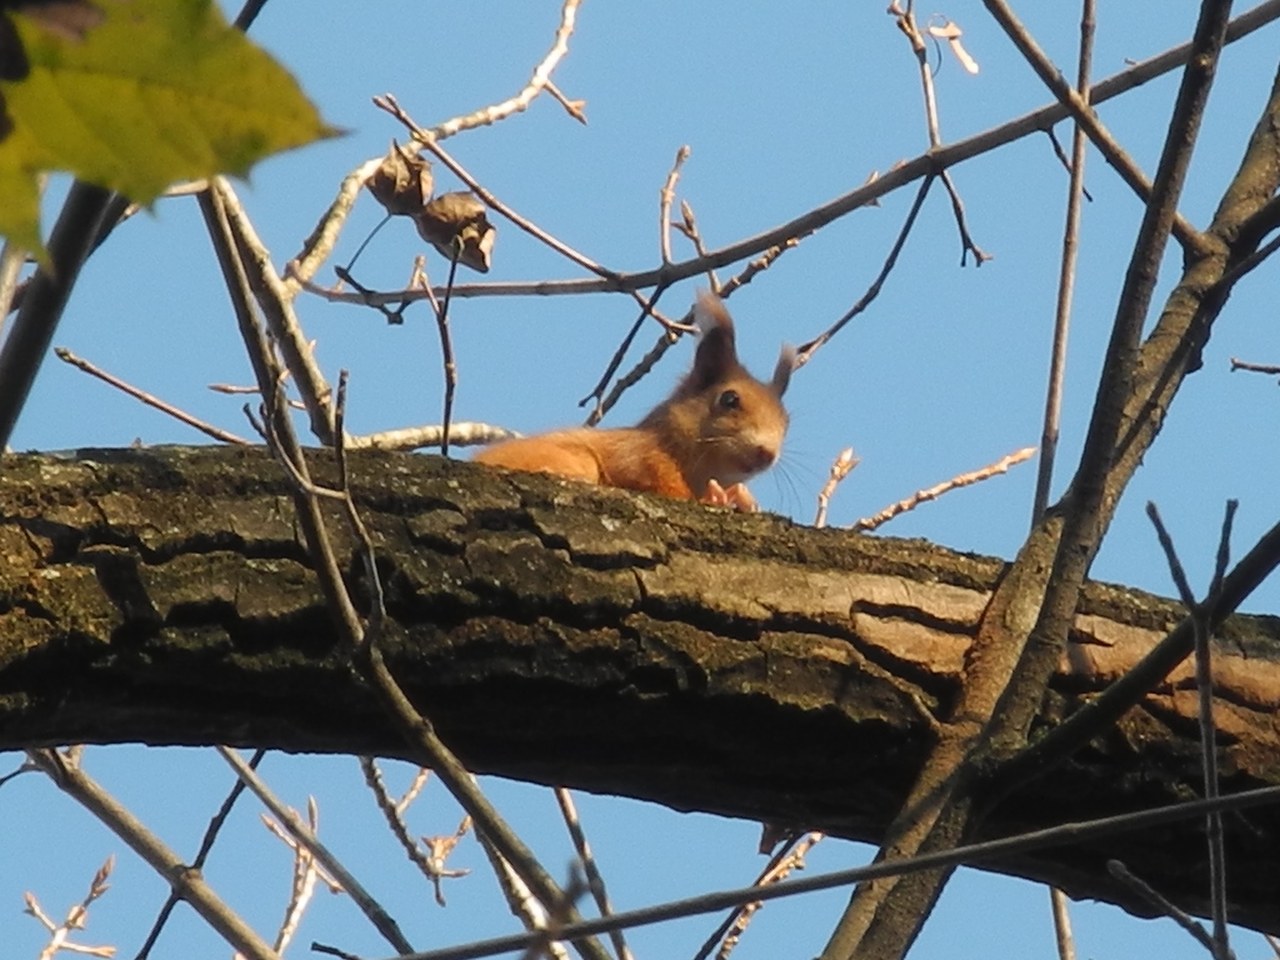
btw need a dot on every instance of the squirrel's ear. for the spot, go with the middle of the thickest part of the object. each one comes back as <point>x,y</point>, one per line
<point>782,372</point>
<point>717,357</point>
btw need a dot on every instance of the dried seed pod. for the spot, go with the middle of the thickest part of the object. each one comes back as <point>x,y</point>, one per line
<point>456,224</point>
<point>402,183</point>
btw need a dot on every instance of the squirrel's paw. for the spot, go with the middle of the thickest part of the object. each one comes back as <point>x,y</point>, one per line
<point>736,497</point>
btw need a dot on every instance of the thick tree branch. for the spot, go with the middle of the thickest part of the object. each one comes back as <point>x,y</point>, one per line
<point>570,635</point>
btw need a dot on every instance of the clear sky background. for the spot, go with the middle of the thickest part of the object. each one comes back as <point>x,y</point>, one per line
<point>784,107</point>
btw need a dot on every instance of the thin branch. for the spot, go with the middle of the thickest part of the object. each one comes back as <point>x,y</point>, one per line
<point>789,858</point>
<point>188,884</point>
<point>275,300</point>
<point>427,141</point>
<point>665,198</point>
<point>520,102</point>
<point>1063,834</point>
<point>206,847</point>
<point>432,867</point>
<point>1080,110</point>
<point>1202,633</point>
<point>1267,368</point>
<point>805,353</point>
<point>217,433</point>
<point>1152,896</point>
<point>370,907</point>
<point>933,493</point>
<point>76,919</point>
<point>841,467</point>
<point>1066,277</point>
<point>923,165</point>
<point>317,248</point>
<point>597,392</point>
<point>595,881</point>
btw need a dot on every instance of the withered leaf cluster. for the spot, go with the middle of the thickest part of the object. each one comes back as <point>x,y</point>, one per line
<point>456,224</point>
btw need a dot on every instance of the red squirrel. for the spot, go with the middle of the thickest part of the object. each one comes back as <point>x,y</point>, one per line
<point>720,426</point>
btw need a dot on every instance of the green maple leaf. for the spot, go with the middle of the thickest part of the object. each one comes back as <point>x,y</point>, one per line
<point>157,91</point>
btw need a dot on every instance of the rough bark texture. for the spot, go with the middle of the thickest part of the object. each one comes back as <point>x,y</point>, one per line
<point>741,665</point>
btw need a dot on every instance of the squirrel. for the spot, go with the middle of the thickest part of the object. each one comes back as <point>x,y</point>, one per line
<point>718,428</point>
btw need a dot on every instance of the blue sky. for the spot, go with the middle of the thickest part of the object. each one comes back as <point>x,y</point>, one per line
<point>783,108</point>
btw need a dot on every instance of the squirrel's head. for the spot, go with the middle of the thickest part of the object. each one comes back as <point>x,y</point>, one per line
<point>736,422</point>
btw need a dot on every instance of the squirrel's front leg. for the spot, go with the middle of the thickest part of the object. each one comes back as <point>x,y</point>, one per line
<point>736,497</point>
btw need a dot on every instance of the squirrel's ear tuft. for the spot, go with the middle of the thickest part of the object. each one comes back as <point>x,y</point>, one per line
<point>782,372</point>
<point>717,356</point>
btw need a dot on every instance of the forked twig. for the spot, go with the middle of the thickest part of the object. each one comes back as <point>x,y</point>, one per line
<point>77,916</point>
<point>1202,633</point>
<point>841,467</point>
<point>304,835</point>
<point>206,846</point>
<point>540,80</point>
<point>432,867</point>
<point>187,884</point>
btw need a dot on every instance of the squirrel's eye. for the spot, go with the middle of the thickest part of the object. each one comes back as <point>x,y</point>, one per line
<point>729,400</point>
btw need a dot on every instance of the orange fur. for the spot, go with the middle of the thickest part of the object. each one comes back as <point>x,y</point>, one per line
<point>719,426</point>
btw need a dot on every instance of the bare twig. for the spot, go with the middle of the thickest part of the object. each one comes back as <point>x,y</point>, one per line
<point>77,917</point>
<point>924,165</point>
<point>575,108</point>
<point>1066,278</point>
<point>595,882</point>
<point>1079,108</point>
<point>665,199</point>
<point>206,846</point>
<point>305,873</point>
<point>597,392</point>
<point>520,102</point>
<point>150,400</point>
<point>1062,834</point>
<point>432,866</point>
<point>427,141</point>
<point>188,884</point>
<point>525,907</point>
<point>1267,368</point>
<point>463,434</point>
<point>1153,897</point>
<point>379,917</point>
<point>1202,634</point>
<point>932,493</point>
<point>905,18</point>
<point>840,468</point>
<point>275,300</point>
<point>789,858</point>
<point>805,353</point>
<point>317,248</point>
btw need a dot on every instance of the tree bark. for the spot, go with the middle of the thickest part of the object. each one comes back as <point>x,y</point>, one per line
<point>559,633</point>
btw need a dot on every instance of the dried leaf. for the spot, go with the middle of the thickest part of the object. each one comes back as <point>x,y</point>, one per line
<point>402,183</point>
<point>456,224</point>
